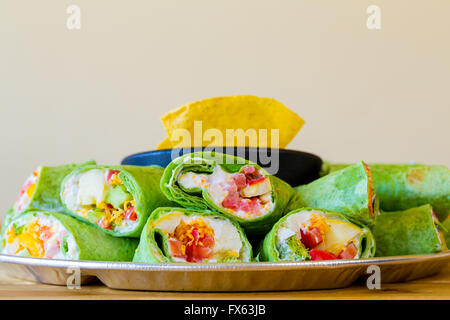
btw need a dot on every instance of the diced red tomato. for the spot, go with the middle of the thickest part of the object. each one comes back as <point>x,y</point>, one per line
<point>102,223</point>
<point>196,251</point>
<point>131,214</point>
<point>240,180</point>
<point>349,252</point>
<point>231,201</point>
<point>311,238</point>
<point>317,255</point>
<point>175,248</point>
<point>110,174</point>
<point>255,181</point>
<point>195,234</point>
<point>199,249</point>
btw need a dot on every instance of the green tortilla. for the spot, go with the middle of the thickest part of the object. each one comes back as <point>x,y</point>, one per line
<point>205,163</point>
<point>402,186</point>
<point>141,182</point>
<point>269,251</point>
<point>153,247</point>
<point>348,191</point>
<point>92,244</point>
<point>410,232</point>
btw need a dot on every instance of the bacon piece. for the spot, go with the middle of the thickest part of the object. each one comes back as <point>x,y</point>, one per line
<point>231,201</point>
<point>240,180</point>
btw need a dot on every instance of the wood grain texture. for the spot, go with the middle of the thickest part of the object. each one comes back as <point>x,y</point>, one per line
<point>435,287</point>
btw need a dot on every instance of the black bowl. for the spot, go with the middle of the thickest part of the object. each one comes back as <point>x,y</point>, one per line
<point>294,167</point>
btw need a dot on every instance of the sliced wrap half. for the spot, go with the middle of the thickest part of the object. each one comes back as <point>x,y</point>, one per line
<point>233,186</point>
<point>315,234</point>
<point>52,235</point>
<point>349,191</point>
<point>413,231</point>
<point>184,235</point>
<point>402,186</point>
<point>41,190</point>
<point>116,199</point>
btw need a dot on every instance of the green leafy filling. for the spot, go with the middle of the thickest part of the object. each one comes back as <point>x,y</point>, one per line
<point>65,245</point>
<point>292,249</point>
<point>18,229</point>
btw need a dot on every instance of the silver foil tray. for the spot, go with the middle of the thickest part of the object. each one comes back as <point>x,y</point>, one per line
<point>255,276</point>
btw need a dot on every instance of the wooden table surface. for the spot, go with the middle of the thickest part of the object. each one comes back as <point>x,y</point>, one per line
<point>435,287</point>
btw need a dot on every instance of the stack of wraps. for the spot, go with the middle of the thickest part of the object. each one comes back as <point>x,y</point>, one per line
<point>52,235</point>
<point>117,199</point>
<point>401,186</point>
<point>184,235</point>
<point>349,191</point>
<point>232,186</point>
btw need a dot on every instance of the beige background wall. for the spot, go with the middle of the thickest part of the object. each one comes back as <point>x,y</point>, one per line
<point>99,92</point>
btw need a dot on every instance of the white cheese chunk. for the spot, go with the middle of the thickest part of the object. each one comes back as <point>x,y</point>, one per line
<point>92,186</point>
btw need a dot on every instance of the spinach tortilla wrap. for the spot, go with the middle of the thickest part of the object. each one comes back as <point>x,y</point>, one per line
<point>41,190</point>
<point>402,186</point>
<point>52,235</point>
<point>117,199</point>
<point>413,231</point>
<point>233,186</point>
<point>314,234</point>
<point>349,191</point>
<point>185,235</point>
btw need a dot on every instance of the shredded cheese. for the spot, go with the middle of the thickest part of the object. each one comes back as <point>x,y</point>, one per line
<point>319,222</point>
<point>29,239</point>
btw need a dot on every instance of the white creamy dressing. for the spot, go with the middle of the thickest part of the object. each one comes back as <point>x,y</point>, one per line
<point>226,236</point>
<point>340,233</point>
<point>213,183</point>
<point>58,233</point>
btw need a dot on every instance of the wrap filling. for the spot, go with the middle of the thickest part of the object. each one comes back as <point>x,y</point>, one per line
<point>39,236</point>
<point>246,194</point>
<point>100,196</point>
<point>310,235</point>
<point>198,238</point>
<point>27,191</point>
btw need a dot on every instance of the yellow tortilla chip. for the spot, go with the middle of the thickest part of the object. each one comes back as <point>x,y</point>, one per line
<point>232,121</point>
<point>165,144</point>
